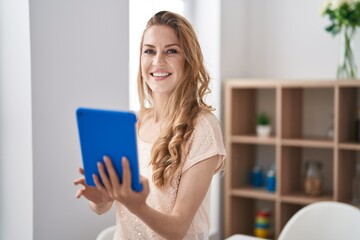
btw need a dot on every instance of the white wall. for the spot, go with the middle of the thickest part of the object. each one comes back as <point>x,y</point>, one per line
<point>79,58</point>
<point>276,39</point>
<point>16,189</point>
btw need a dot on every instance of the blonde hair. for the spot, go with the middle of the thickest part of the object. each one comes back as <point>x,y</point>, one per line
<point>184,105</point>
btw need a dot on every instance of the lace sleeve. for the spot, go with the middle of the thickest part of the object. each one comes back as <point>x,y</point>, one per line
<point>206,141</point>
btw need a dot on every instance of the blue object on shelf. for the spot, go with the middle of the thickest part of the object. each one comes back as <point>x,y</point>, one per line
<point>271,180</point>
<point>257,177</point>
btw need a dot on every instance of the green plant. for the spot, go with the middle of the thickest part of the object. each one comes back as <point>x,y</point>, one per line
<point>344,16</point>
<point>263,119</point>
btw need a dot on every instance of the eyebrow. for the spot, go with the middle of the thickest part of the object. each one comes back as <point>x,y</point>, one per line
<point>166,46</point>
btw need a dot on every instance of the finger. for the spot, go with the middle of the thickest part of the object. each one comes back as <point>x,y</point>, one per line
<point>126,173</point>
<point>80,180</point>
<point>79,193</point>
<point>112,173</point>
<point>81,171</point>
<point>104,178</point>
<point>98,184</point>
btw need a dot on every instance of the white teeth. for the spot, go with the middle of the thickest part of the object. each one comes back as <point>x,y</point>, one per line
<point>158,74</point>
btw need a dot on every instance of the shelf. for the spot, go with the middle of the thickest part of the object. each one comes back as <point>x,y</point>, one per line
<point>301,112</point>
<point>251,139</point>
<point>249,192</point>
<point>314,143</point>
<point>306,142</point>
<point>301,198</point>
<point>349,146</point>
<point>349,83</point>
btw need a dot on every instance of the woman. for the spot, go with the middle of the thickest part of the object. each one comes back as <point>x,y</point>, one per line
<point>180,144</point>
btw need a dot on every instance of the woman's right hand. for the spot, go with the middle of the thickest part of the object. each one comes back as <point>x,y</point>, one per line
<point>93,194</point>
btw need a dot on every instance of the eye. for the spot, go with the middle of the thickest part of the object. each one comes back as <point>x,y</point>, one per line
<point>172,51</point>
<point>149,51</point>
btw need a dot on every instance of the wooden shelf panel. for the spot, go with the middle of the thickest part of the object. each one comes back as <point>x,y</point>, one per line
<point>302,199</point>
<point>308,84</point>
<point>250,83</point>
<point>308,142</point>
<point>272,83</point>
<point>252,139</point>
<point>284,83</point>
<point>349,83</point>
<point>349,146</point>
<point>257,193</point>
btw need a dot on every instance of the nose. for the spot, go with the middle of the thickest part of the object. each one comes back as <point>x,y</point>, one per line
<point>158,59</point>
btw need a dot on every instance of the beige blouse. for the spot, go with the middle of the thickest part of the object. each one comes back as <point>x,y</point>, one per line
<point>206,141</point>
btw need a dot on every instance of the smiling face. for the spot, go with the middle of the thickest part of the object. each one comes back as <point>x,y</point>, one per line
<point>162,59</point>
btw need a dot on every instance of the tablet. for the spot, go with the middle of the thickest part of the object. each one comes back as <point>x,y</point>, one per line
<point>110,133</point>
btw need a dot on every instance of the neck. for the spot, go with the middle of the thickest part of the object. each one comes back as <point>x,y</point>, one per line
<point>160,102</point>
<point>158,114</point>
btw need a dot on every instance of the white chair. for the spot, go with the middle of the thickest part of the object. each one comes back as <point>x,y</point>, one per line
<point>106,234</point>
<point>243,237</point>
<point>323,221</point>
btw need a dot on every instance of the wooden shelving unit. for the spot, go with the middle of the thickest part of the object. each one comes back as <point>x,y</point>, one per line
<point>301,112</point>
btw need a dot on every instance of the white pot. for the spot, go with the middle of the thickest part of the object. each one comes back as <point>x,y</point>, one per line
<point>263,130</point>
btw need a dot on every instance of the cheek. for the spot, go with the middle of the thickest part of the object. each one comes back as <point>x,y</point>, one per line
<point>143,73</point>
<point>181,67</point>
<point>143,68</point>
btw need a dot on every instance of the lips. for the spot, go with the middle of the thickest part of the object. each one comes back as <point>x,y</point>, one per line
<point>160,74</point>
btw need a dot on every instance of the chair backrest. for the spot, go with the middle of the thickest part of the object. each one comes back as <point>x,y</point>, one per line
<point>323,221</point>
<point>106,234</point>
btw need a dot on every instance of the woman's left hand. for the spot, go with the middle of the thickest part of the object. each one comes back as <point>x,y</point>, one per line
<point>122,192</point>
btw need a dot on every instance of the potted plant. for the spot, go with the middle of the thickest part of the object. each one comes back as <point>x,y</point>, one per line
<point>344,16</point>
<point>263,127</point>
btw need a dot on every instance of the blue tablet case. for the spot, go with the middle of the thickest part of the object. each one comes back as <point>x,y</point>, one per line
<point>111,133</point>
